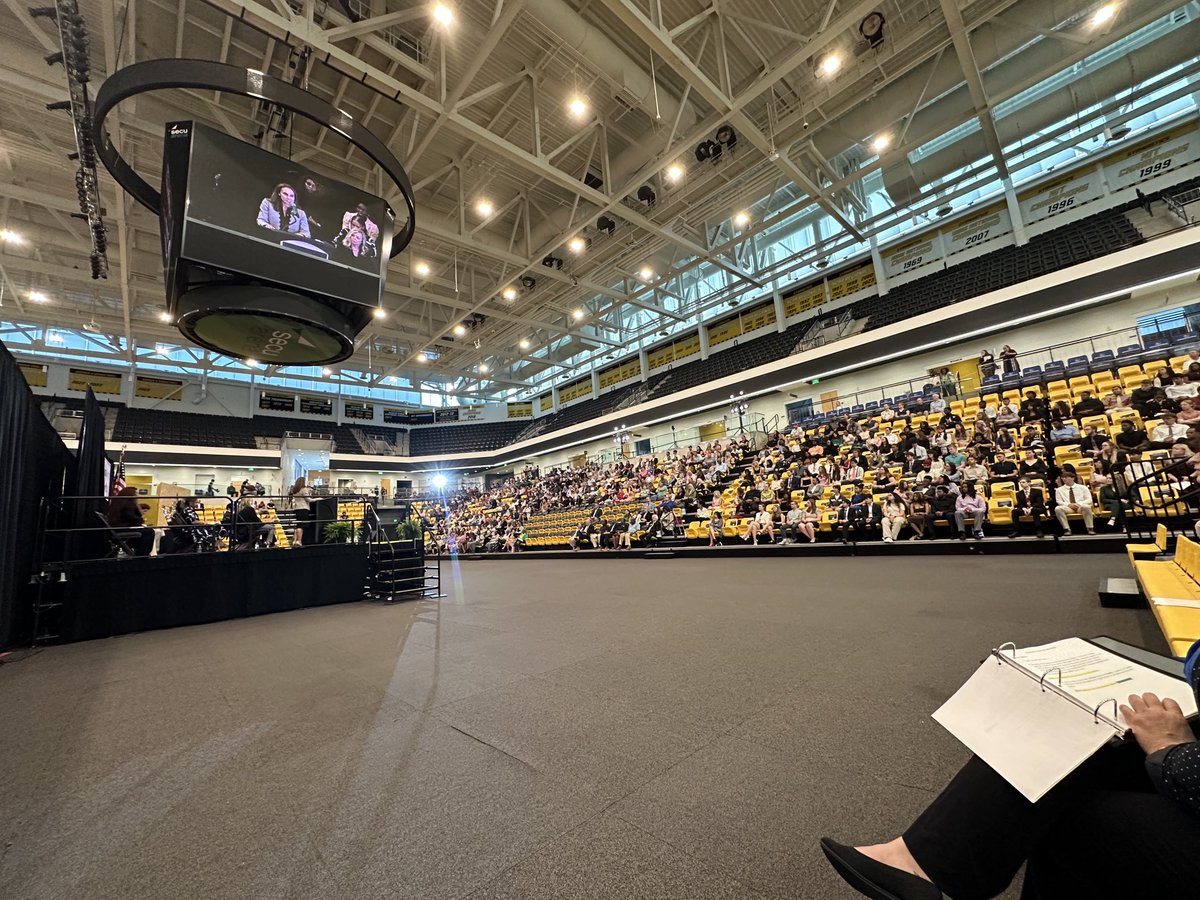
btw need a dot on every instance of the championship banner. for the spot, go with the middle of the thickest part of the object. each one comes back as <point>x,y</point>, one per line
<point>99,382</point>
<point>759,317</point>
<point>470,414</point>
<point>520,410</point>
<point>989,224</point>
<point>623,372</point>
<point>575,390</point>
<point>35,375</point>
<point>687,346</point>
<point>724,331</point>
<point>545,402</point>
<point>1059,195</point>
<point>158,388</point>
<point>803,300</point>
<point>1153,157</point>
<point>852,282</point>
<point>912,255</point>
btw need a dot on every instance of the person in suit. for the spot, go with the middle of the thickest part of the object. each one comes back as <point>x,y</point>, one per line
<point>1030,501</point>
<point>279,212</point>
<point>1125,823</point>
<point>854,514</point>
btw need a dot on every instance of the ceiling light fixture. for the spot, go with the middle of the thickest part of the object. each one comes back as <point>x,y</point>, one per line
<point>483,368</point>
<point>577,244</point>
<point>871,28</point>
<point>250,362</point>
<point>674,173</point>
<point>327,371</point>
<point>577,107</point>
<point>509,293</point>
<point>422,357</point>
<point>165,316</point>
<point>881,142</point>
<point>646,273</point>
<point>443,14</point>
<point>577,315</point>
<point>1103,15</point>
<point>10,237</point>
<point>460,329</point>
<point>484,207</point>
<point>742,219</point>
<point>524,343</point>
<point>38,297</point>
<point>829,64</point>
<point>380,312</point>
<point>422,269</point>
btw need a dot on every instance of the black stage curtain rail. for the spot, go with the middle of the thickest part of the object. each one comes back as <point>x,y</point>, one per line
<point>34,463</point>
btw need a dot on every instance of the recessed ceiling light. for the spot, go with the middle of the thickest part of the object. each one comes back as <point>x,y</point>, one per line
<point>509,293</point>
<point>460,329</point>
<point>380,312</point>
<point>443,14</point>
<point>10,237</point>
<point>830,63</point>
<point>422,357</point>
<point>881,142</point>
<point>422,268</point>
<point>484,207</point>
<point>38,297</point>
<point>646,273</point>
<point>165,316</point>
<point>576,245</point>
<point>577,314</point>
<point>1103,15</point>
<point>674,173</point>
<point>742,219</point>
<point>577,107</point>
<point>524,343</point>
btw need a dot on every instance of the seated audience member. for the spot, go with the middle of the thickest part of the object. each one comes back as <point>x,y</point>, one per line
<point>186,534</point>
<point>1070,498</point>
<point>1142,397</point>
<point>1003,468</point>
<point>583,534</point>
<point>1008,415</point>
<point>1031,438</point>
<point>941,508</point>
<point>974,471</point>
<point>1168,433</point>
<point>969,506</point>
<point>918,513</point>
<point>249,529</point>
<point>1180,388</point>
<point>1092,441</point>
<point>762,523</point>
<point>1032,466</point>
<point>1033,408</point>
<point>854,514</point>
<point>893,517</point>
<point>1030,501</point>
<point>1164,377</point>
<point>949,419</point>
<point>985,411</point>
<point>1063,432</point>
<point>1135,805</point>
<point>125,517</point>
<point>1087,405</point>
<point>887,413</point>
<point>953,456</point>
<point>1117,399</point>
<point>936,403</point>
<point>716,528</point>
<point>1193,370</point>
<point>1004,440</point>
<point>1188,413</point>
<point>1130,437</point>
<point>1110,498</point>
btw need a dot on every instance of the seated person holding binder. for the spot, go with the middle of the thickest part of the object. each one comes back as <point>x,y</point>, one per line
<point>1124,824</point>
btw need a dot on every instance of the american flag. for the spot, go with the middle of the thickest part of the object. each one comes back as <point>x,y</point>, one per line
<point>118,483</point>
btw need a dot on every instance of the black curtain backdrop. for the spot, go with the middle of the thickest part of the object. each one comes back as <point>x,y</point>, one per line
<point>90,469</point>
<point>34,463</point>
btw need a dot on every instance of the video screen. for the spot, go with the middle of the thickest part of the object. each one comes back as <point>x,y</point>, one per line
<point>256,213</point>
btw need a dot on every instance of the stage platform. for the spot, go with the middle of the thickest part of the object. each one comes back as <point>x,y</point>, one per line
<point>993,546</point>
<point>103,598</point>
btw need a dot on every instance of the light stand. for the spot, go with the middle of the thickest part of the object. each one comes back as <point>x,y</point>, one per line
<point>739,406</point>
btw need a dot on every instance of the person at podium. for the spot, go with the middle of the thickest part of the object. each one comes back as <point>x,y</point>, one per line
<point>279,212</point>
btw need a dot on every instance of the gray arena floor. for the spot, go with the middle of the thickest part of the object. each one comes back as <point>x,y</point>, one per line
<point>561,729</point>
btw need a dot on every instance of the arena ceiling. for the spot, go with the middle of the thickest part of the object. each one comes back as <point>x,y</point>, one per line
<point>516,102</point>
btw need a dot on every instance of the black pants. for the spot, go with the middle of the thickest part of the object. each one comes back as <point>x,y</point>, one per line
<point>1037,513</point>
<point>140,540</point>
<point>1103,832</point>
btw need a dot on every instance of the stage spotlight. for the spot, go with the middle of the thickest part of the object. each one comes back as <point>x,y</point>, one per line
<point>674,173</point>
<point>727,136</point>
<point>646,195</point>
<point>529,282</point>
<point>605,224</point>
<point>871,28</point>
<point>552,262</point>
<point>440,481</point>
<point>509,293</point>
<point>708,150</point>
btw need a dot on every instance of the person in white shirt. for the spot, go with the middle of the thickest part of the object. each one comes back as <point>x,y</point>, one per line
<point>1008,414</point>
<point>887,414</point>
<point>1073,498</point>
<point>1168,432</point>
<point>936,403</point>
<point>1180,388</point>
<point>761,523</point>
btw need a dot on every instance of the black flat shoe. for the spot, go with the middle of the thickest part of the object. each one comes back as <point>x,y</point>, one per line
<point>875,879</point>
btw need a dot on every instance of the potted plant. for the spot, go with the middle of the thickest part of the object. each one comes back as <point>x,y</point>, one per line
<point>339,532</point>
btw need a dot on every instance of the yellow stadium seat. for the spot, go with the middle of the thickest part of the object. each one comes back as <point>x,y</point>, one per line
<point>1151,550</point>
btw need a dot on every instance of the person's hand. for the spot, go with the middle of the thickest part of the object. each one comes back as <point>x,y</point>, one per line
<point>1156,723</point>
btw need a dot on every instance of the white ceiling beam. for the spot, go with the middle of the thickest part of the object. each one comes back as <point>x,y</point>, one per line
<point>375,23</point>
<point>970,69</point>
